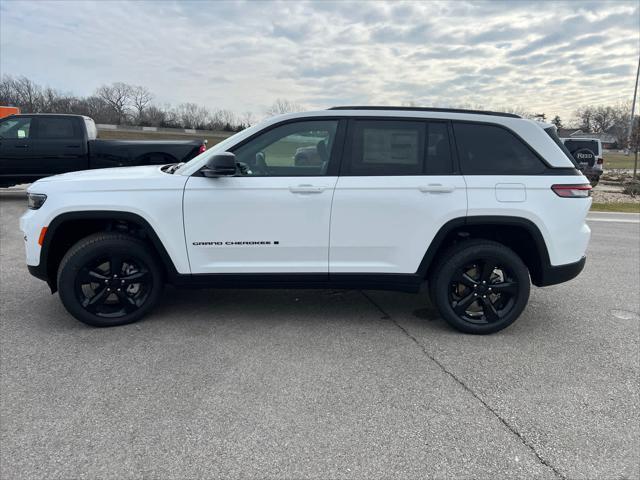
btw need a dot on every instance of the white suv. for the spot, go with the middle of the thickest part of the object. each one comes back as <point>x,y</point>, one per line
<point>475,204</point>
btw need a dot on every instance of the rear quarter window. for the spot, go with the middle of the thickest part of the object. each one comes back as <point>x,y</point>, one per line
<point>494,150</point>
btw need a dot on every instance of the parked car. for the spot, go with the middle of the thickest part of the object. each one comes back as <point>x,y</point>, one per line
<point>39,145</point>
<point>476,204</point>
<point>587,153</point>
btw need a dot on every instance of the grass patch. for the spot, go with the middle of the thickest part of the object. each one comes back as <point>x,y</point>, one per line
<point>618,160</point>
<point>616,207</point>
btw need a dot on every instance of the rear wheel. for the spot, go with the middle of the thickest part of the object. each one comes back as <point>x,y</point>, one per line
<point>480,286</point>
<point>109,279</point>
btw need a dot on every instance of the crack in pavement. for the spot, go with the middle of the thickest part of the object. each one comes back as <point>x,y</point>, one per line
<point>509,427</point>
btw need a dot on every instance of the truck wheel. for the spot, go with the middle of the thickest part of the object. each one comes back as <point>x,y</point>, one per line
<point>109,279</point>
<point>480,286</point>
<point>594,181</point>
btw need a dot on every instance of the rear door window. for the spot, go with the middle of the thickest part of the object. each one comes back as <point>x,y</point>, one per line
<point>56,128</point>
<point>398,147</point>
<point>384,147</point>
<point>494,150</point>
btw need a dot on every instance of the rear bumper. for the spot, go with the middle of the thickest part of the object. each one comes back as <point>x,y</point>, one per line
<point>554,274</point>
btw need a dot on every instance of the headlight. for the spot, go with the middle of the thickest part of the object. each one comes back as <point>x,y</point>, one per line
<point>35,200</point>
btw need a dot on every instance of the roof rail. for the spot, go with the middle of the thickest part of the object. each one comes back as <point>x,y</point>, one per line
<point>428,109</point>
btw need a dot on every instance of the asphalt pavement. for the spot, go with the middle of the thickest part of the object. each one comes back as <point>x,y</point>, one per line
<point>324,384</point>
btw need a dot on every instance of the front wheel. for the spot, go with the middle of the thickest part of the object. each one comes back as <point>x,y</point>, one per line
<point>480,286</point>
<point>109,279</point>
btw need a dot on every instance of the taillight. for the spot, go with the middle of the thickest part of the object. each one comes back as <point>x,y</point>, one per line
<point>600,161</point>
<point>203,147</point>
<point>572,191</point>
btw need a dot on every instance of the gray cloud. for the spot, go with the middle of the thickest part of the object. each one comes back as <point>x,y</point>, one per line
<point>241,56</point>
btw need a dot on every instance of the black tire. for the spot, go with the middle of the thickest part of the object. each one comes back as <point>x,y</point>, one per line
<point>594,181</point>
<point>468,304</point>
<point>109,279</point>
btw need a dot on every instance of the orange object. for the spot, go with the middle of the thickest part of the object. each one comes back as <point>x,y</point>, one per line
<point>6,111</point>
<point>43,232</point>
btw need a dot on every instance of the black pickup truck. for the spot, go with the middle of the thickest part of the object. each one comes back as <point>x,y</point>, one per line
<point>39,145</point>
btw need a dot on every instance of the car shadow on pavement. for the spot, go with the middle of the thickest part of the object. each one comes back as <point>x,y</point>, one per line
<point>210,306</point>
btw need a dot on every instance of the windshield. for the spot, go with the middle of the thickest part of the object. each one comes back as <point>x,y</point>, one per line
<point>220,147</point>
<point>553,133</point>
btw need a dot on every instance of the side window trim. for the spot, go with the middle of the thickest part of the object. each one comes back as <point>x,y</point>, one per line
<point>453,156</point>
<point>453,148</point>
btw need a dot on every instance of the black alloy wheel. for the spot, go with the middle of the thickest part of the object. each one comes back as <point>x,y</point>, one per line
<point>483,292</point>
<point>480,286</point>
<point>113,286</point>
<point>109,279</point>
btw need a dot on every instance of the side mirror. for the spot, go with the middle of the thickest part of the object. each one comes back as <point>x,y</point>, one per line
<point>220,165</point>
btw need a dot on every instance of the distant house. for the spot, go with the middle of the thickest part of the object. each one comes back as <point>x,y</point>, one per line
<point>609,141</point>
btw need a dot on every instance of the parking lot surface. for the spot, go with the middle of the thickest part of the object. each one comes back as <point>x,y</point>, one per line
<point>324,384</point>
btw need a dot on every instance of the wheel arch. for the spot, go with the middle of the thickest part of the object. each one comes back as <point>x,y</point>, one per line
<point>69,227</point>
<point>520,234</point>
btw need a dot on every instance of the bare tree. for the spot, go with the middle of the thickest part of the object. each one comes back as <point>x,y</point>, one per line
<point>611,119</point>
<point>603,119</point>
<point>21,92</point>
<point>155,116</point>
<point>282,105</point>
<point>118,96</point>
<point>222,119</point>
<point>519,110</point>
<point>248,119</point>
<point>8,94</point>
<point>193,116</point>
<point>585,117</point>
<point>141,98</point>
<point>557,122</point>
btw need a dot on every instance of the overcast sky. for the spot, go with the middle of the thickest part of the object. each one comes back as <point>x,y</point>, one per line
<point>543,56</point>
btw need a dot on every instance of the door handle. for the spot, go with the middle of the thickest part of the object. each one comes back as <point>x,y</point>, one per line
<point>436,188</point>
<point>22,146</point>
<point>72,146</point>
<point>306,189</point>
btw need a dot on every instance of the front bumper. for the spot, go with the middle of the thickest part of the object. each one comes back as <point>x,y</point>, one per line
<point>554,274</point>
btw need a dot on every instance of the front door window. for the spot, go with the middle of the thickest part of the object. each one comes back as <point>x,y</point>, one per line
<point>291,150</point>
